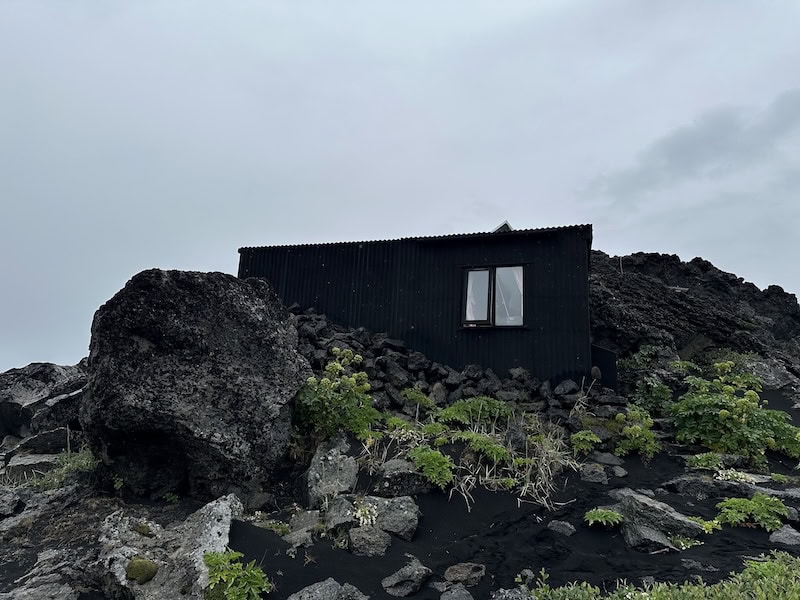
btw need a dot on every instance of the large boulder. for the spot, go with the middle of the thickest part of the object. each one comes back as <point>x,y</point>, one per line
<point>191,383</point>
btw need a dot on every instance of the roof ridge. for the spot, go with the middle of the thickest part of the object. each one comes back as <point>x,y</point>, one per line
<point>448,236</point>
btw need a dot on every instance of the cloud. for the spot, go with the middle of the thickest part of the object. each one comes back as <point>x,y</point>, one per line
<point>717,144</point>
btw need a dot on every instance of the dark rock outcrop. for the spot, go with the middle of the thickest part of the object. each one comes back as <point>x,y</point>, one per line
<point>34,391</point>
<point>659,300</point>
<point>191,382</point>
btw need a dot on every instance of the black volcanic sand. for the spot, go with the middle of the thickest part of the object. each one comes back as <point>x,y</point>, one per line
<point>508,537</point>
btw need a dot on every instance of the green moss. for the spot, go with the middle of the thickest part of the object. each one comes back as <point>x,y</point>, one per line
<point>141,569</point>
<point>143,528</point>
<point>278,527</point>
<point>68,465</point>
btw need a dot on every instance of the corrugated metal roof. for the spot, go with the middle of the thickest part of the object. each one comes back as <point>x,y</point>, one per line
<point>587,228</point>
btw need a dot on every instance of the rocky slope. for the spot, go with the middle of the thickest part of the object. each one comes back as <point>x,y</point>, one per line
<point>187,401</point>
<point>688,307</point>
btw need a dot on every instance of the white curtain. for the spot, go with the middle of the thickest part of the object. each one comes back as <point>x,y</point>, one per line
<point>518,280</point>
<point>508,296</point>
<point>477,296</point>
<point>471,304</point>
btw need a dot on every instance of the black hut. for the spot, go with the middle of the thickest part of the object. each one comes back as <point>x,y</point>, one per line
<point>510,298</point>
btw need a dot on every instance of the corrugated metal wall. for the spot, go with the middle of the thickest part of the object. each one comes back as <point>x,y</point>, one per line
<point>413,289</point>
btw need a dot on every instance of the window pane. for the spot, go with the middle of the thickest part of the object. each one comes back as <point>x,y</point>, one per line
<point>477,296</point>
<point>508,296</point>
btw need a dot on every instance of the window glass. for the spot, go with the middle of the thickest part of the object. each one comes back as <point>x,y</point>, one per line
<point>477,296</point>
<point>508,296</point>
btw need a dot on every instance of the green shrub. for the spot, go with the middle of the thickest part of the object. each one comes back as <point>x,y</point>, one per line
<point>229,579</point>
<point>435,466</point>
<point>434,429</point>
<point>780,478</point>
<point>711,461</point>
<point>651,394</point>
<point>475,411</point>
<point>278,527</point>
<point>681,542</point>
<point>603,516</point>
<point>685,367</point>
<point>708,526</point>
<point>762,510</point>
<point>643,358</point>
<point>416,397</point>
<point>394,423</point>
<point>171,498</point>
<point>637,433</point>
<point>68,464</point>
<point>529,467</point>
<point>714,356</point>
<point>485,444</point>
<point>776,577</point>
<point>339,400</point>
<point>583,442</point>
<point>726,415</point>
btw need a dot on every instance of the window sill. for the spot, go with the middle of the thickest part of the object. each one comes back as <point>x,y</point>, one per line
<point>488,326</point>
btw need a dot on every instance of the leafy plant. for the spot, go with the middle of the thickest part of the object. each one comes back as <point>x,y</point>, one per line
<point>278,527</point>
<point>726,415</point>
<point>637,433</point>
<point>435,466</point>
<point>713,356</point>
<point>603,516</point>
<point>475,411</point>
<point>583,442</point>
<point>711,461</point>
<point>776,577</point>
<point>526,463</point>
<point>489,446</point>
<point>708,526</point>
<point>762,510</point>
<point>68,464</point>
<point>780,478</point>
<point>229,579</point>
<point>339,400</point>
<point>643,358</point>
<point>681,542</point>
<point>652,394</point>
<point>434,429</point>
<point>685,367</point>
<point>416,397</point>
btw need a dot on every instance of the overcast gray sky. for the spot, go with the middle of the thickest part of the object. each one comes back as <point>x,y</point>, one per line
<point>168,134</point>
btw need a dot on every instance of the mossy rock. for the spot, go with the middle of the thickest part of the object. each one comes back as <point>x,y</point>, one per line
<point>143,528</point>
<point>141,569</point>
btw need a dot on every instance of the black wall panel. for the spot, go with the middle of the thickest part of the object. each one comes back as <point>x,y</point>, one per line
<point>413,289</point>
